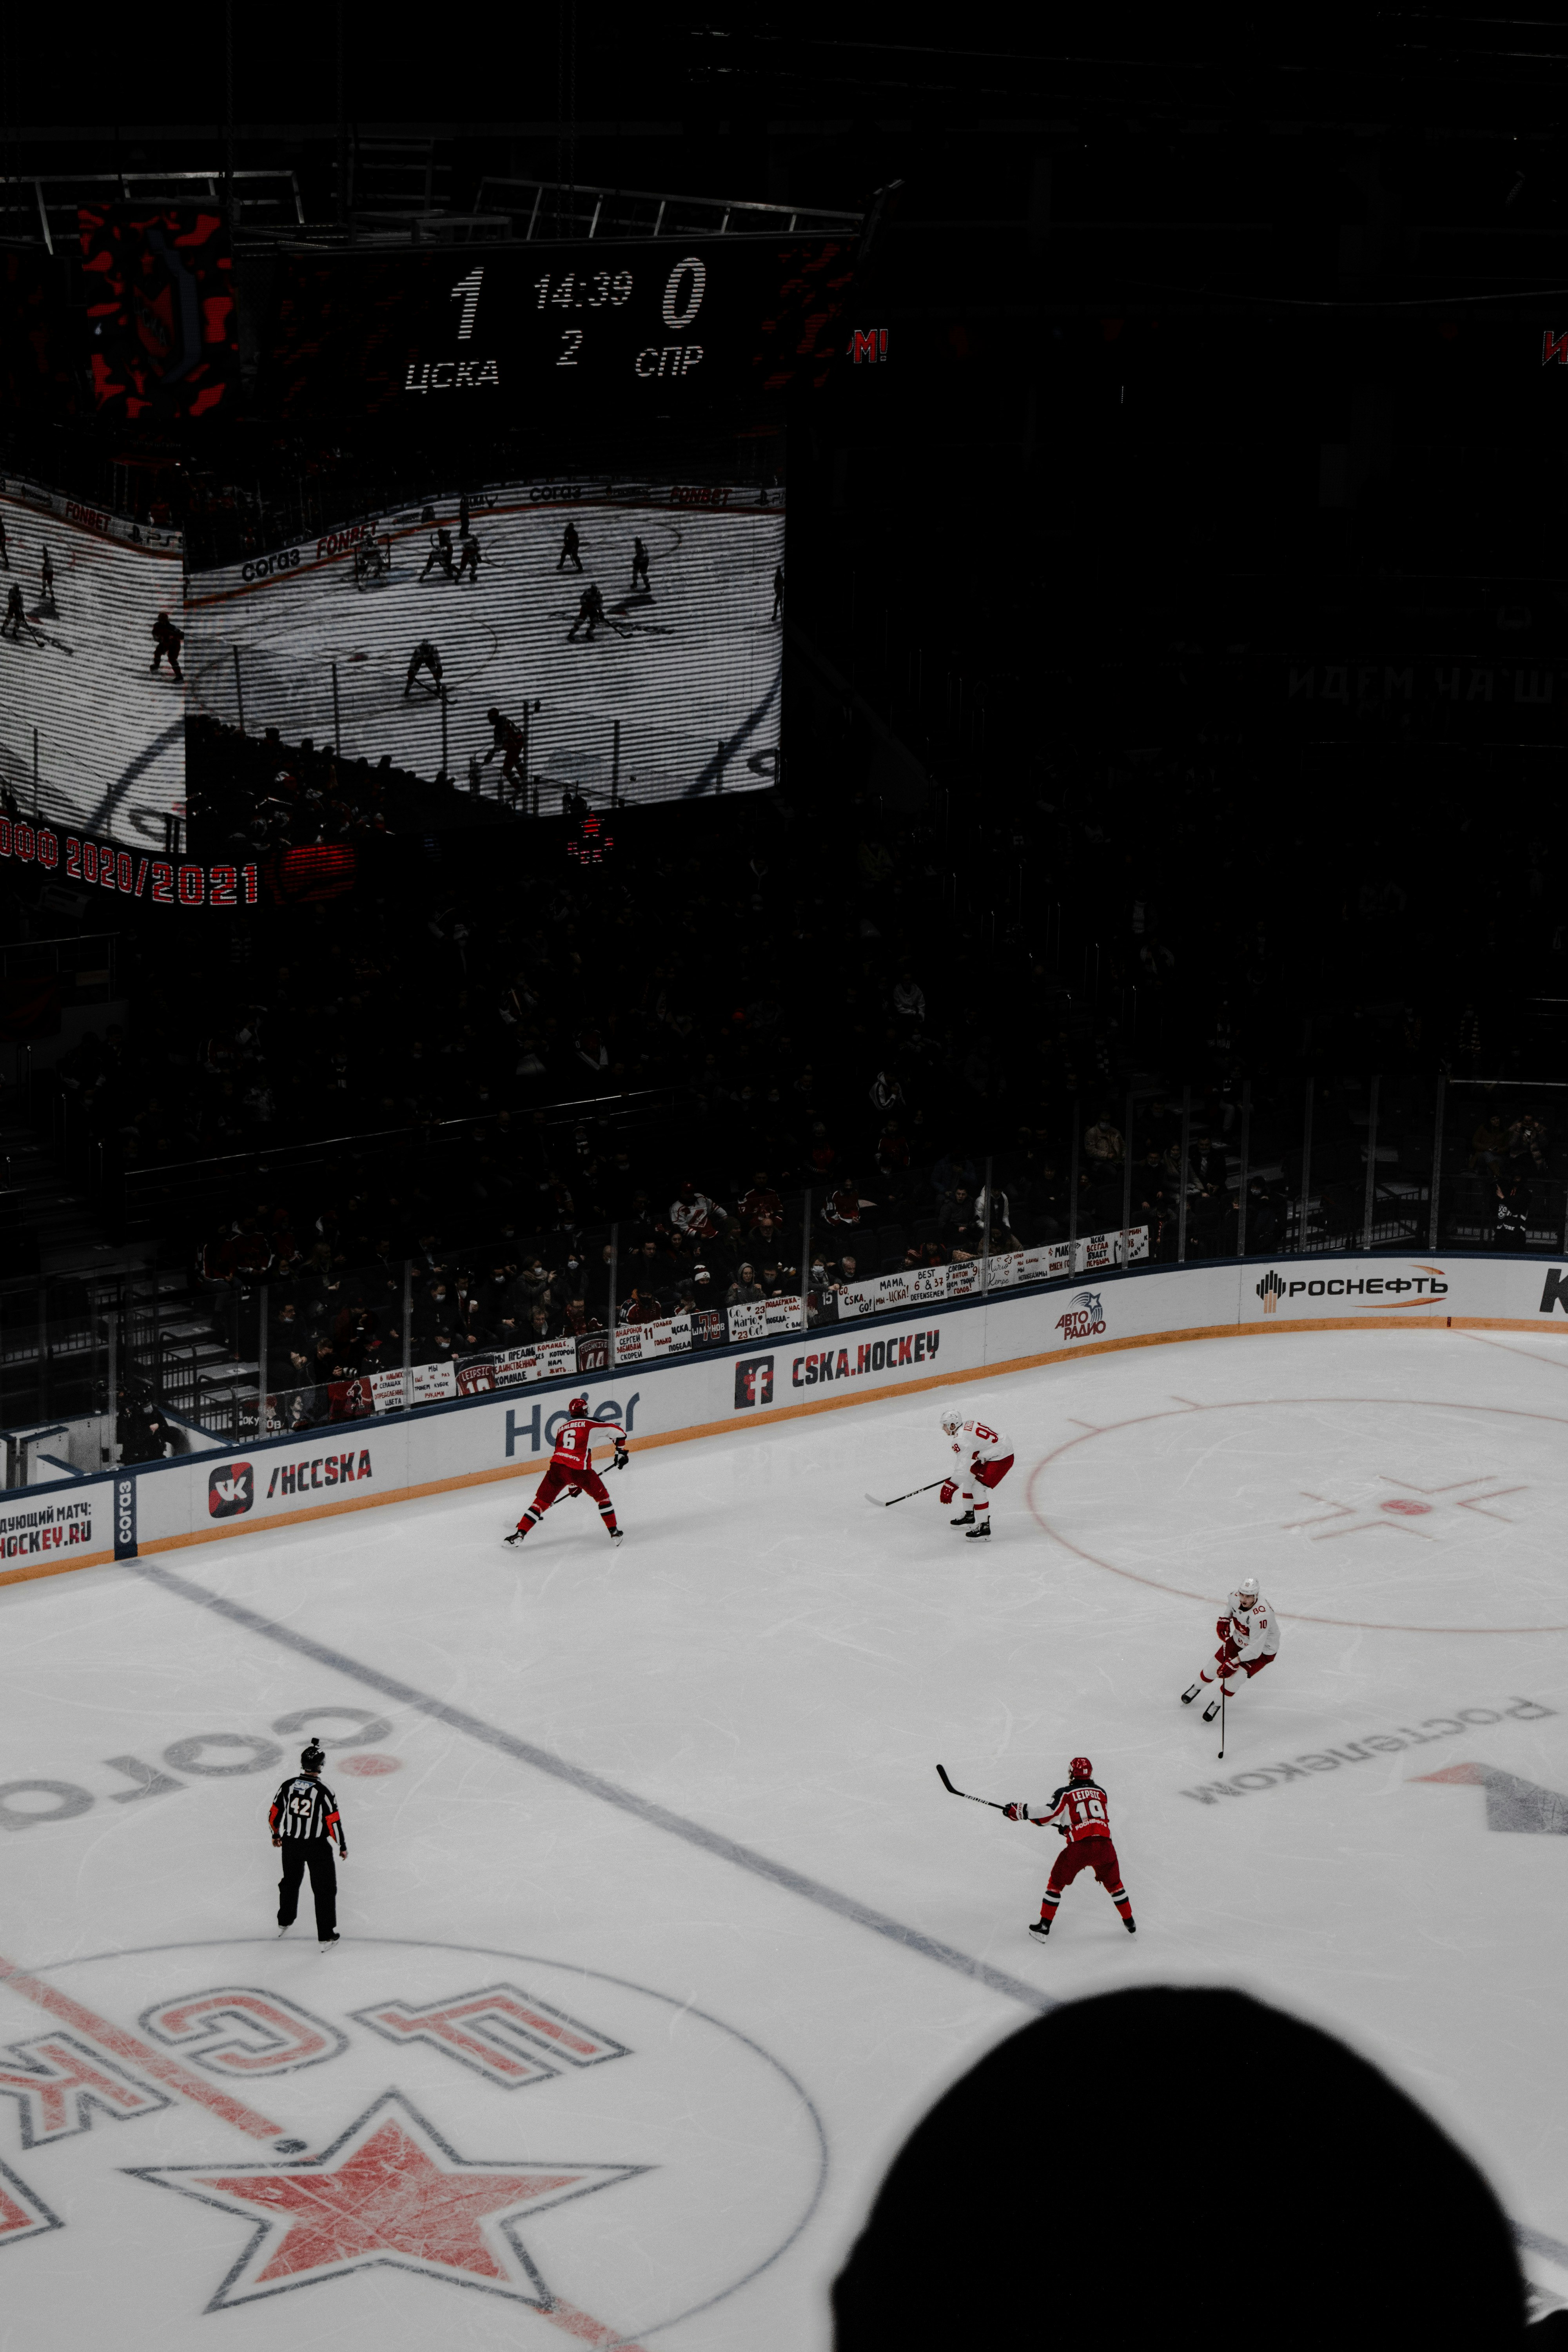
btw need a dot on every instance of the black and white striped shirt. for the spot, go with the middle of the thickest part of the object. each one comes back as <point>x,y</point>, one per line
<point>306,1807</point>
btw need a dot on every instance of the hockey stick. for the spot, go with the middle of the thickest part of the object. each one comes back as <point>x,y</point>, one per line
<point>952,1791</point>
<point>886,1505</point>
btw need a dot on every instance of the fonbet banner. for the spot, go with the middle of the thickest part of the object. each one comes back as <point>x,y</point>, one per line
<point>769,1373</point>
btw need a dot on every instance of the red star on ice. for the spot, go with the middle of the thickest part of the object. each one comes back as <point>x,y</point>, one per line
<point>390,2190</point>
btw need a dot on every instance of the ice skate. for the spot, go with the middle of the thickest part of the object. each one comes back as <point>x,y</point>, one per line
<point>964,1519</point>
<point>328,1941</point>
<point>1211,1710</point>
<point>1040,1927</point>
<point>1188,1695</point>
<point>979,1532</point>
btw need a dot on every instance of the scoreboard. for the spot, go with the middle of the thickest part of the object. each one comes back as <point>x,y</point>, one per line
<point>629,329</point>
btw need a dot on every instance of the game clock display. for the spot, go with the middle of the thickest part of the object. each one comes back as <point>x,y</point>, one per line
<point>629,327</point>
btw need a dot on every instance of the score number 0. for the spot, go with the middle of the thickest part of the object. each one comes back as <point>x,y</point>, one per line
<point>683,293</point>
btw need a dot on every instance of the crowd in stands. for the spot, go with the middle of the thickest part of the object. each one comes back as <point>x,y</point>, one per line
<point>747,999</point>
<point>251,797</point>
<point>339,1282</point>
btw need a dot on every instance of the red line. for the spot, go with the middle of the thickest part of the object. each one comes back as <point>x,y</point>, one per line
<point>167,2071</point>
<point>585,2330</point>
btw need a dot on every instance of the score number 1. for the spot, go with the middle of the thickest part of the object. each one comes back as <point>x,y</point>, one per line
<point>466,291</point>
<point>683,295</point>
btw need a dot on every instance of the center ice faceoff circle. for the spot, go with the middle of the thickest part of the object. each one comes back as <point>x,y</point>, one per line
<point>558,2137</point>
<point>1390,1513</point>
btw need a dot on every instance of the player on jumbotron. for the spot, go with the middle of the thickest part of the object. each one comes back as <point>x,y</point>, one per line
<point>1248,1640</point>
<point>572,1468</point>
<point>983,1459</point>
<point>1080,1814</point>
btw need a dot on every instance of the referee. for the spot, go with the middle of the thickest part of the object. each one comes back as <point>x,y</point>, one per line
<point>304,1820</point>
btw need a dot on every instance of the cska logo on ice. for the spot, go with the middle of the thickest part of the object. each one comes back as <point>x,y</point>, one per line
<point>1085,1317</point>
<point>268,2147</point>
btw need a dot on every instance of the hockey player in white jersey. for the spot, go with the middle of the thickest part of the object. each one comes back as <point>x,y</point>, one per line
<point>982,1459</point>
<point>1249,1633</point>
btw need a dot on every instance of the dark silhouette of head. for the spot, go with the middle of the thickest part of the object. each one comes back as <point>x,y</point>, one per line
<point>1131,2160</point>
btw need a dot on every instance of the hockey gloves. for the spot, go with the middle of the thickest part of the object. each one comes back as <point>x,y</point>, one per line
<point>621,1458</point>
<point>1017,1812</point>
<point>949,1489</point>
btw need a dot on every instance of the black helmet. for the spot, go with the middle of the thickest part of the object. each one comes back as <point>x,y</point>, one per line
<point>312,1757</point>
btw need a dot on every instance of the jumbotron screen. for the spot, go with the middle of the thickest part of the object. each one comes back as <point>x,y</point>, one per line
<point>628,636</point>
<point>81,705</point>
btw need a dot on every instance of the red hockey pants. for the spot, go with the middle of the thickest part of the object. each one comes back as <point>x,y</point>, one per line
<point>559,1475</point>
<point>1095,1853</point>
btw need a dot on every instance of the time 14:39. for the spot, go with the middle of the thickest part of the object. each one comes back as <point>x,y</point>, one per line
<point>602,290</point>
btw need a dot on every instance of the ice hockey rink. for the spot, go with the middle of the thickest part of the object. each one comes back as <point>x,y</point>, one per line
<point>110,735</point>
<point>659,1929</point>
<point>689,668</point>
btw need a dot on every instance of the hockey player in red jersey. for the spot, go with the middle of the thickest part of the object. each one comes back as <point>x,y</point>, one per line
<point>572,1468</point>
<point>1249,1633</point>
<point>982,1459</point>
<point>1080,1815</point>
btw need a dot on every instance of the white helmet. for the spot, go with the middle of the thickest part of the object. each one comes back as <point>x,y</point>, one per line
<point>1246,1591</point>
<point>951,1419</point>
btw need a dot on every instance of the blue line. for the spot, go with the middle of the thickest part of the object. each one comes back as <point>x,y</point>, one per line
<point>608,1792</point>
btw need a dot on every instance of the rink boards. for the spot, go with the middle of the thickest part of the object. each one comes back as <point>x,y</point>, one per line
<point>353,1466</point>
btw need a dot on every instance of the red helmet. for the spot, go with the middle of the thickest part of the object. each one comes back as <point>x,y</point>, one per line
<point>577,1404</point>
<point>1081,1769</point>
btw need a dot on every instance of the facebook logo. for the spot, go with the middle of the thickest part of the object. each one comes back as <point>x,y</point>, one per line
<point>754,1382</point>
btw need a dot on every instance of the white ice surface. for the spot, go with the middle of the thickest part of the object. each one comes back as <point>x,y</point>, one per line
<point>695,660</point>
<point>112,746</point>
<point>774,1661</point>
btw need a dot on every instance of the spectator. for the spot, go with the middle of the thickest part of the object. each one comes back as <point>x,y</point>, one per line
<point>142,1430</point>
<point>1117,2063</point>
<point>1488,1145</point>
<point>887,1093</point>
<point>1512,1215</point>
<point>746,1290</point>
<point>956,1211</point>
<point>1527,1140</point>
<point>1102,1143</point>
<point>768,1235</point>
<point>654,1270</point>
<point>435,1312</point>
<point>892,1159</point>
<point>1208,1163</point>
<point>704,1293</point>
<point>692,1213</point>
<point>762,1201</point>
<point>908,997</point>
<point>953,1169</point>
<point>990,1200</point>
<point>1265,1223</point>
<point>845,1202</point>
